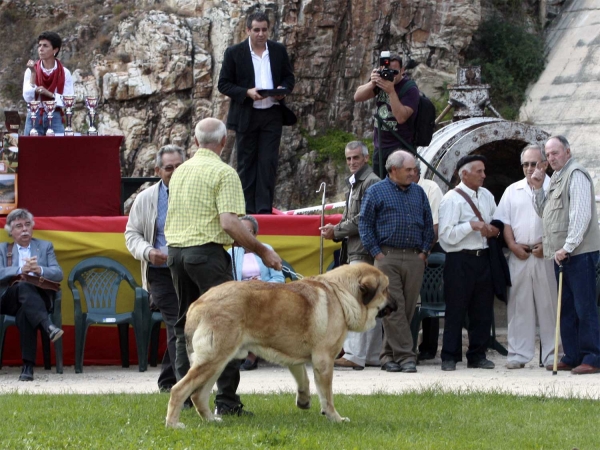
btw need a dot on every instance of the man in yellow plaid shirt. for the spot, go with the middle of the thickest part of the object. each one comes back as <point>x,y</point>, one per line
<point>205,200</point>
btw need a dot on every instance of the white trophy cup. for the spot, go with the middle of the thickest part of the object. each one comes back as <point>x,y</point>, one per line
<point>92,103</point>
<point>49,107</point>
<point>34,107</point>
<point>69,101</point>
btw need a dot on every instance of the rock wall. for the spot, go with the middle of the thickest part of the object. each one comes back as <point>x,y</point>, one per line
<point>156,76</point>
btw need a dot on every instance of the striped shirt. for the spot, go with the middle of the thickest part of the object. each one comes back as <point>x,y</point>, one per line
<point>395,217</point>
<point>200,190</point>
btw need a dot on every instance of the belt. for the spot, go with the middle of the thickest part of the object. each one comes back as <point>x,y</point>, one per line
<point>387,249</point>
<point>480,252</point>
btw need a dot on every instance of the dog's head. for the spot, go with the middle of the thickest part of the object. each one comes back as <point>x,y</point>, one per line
<point>373,286</point>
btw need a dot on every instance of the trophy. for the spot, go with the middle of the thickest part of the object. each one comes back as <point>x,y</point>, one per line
<point>69,101</point>
<point>49,107</point>
<point>34,106</point>
<point>92,103</point>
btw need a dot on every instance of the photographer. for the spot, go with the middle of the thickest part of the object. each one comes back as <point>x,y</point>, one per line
<point>396,109</point>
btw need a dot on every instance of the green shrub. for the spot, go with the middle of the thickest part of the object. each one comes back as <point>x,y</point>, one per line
<point>510,59</point>
<point>331,145</point>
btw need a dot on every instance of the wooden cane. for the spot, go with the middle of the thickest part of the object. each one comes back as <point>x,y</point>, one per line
<point>557,333</point>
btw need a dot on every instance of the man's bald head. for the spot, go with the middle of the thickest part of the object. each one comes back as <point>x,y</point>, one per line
<point>210,132</point>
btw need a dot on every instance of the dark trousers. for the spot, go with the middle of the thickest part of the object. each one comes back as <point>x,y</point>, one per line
<point>468,291</point>
<point>431,333</point>
<point>258,157</point>
<point>579,328</point>
<point>194,271</point>
<point>165,298</point>
<point>29,304</point>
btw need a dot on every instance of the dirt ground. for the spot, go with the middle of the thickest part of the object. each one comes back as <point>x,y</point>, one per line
<point>531,380</point>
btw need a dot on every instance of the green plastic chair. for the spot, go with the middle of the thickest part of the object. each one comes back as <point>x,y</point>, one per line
<point>56,318</point>
<point>432,294</point>
<point>99,279</point>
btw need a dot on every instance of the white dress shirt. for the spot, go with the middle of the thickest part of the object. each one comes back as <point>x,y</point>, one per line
<point>434,195</point>
<point>516,208</point>
<point>455,232</point>
<point>25,253</point>
<point>263,78</point>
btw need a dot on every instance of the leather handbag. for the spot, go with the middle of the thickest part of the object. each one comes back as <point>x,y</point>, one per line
<point>40,282</point>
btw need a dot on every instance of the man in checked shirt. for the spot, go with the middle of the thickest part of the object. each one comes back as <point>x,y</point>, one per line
<point>396,228</point>
<point>572,239</point>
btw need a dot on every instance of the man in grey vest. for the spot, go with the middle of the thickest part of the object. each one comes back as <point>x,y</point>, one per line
<point>572,238</point>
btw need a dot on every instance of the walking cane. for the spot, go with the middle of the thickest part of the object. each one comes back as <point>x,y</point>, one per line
<point>557,333</point>
<point>324,186</point>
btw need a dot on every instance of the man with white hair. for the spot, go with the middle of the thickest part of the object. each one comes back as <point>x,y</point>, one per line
<point>468,285</point>
<point>396,228</point>
<point>360,349</point>
<point>29,303</point>
<point>205,200</point>
<point>533,291</point>
<point>145,240</point>
<point>572,239</point>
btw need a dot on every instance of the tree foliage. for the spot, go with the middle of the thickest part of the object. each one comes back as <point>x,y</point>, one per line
<point>510,58</point>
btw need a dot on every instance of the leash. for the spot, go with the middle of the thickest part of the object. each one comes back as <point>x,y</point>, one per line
<point>291,272</point>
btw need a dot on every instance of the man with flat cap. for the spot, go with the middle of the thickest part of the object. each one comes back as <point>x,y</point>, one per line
<point>468,285</point>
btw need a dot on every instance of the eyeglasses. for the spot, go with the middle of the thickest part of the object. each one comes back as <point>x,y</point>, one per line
<point>169,168</point>
<point>20,226</point>
<point>528,164</point>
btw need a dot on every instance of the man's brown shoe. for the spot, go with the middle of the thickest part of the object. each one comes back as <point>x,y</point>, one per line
<point>585,369</point>
<point>561,366</point>
<point>343,362</point>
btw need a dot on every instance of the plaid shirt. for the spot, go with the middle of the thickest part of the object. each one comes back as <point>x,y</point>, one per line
<point>200,190</point>
<point>395,217</point>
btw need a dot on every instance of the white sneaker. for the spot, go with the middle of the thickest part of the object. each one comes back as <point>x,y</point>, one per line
<point>514,365</point>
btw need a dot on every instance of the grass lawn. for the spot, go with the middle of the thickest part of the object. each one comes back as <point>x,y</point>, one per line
<point>425,420</point>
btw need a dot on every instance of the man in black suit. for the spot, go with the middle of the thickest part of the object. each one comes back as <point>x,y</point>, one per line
<point>248,67</point>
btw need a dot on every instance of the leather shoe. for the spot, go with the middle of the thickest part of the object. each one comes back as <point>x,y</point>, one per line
<point>448,366</point>
<point>481,364</point>
<point>560,366</point>
<point>26,373</point>
<point>391,366</point>
<point>409,367</point>
<point>224,410</point>
<point>54,333</point>
<point>343,362</point>
<point>585,369</point>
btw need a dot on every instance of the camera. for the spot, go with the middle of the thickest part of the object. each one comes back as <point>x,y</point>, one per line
<point>384,62</point>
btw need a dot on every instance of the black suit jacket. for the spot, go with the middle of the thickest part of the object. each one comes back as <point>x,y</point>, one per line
<point>237,76</point>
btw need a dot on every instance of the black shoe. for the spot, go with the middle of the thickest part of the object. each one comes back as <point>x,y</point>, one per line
<point>423,356</point>
<point>409,367</point>
<point>481,364</point>
<point>54,333</point>
<point>26,373</point>
<point>249,365</point>
<point>391,366</point>
<point>448,365</point>
<point>224,410</point>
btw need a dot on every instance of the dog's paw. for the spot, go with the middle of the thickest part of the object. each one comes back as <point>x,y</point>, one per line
<point>345,419</point>
<point>215,419</point>
<point>176,425</point>
<point>305,405</point>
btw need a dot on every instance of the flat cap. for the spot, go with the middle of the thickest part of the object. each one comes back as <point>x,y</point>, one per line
<point>470,158</point>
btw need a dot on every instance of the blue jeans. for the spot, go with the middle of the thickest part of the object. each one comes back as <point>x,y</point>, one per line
<point>57,124</point>
<point>579,329</point>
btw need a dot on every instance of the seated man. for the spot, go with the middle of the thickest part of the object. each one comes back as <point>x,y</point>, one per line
<point>28,303</point>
